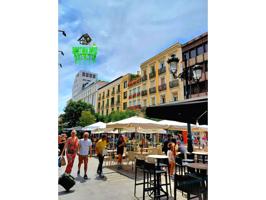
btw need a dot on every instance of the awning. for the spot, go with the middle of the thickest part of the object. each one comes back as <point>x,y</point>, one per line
<point>188,111</point>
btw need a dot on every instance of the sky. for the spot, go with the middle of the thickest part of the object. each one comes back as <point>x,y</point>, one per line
<point>126,32</point>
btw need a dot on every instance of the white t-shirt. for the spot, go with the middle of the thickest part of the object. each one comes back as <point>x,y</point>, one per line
<point>84,146</point>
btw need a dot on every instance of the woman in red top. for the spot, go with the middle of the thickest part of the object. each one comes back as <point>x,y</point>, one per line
<point>71,147</point>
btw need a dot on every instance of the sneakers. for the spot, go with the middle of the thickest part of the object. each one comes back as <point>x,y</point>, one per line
<point>85,177</point>
<point>78,172</point>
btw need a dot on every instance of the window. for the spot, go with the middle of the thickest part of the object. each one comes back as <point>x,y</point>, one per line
<point>152,69</point>
<point>138,90</point>
<point>186,55</point>
<point>130,103</point>
<point>125,95</point>
<point>161,64</point>
<point>125,106</point>
<point>138,103</point>
<point>162,100</point>
<point>206,47</point>
<point>107,112</point>
<point>130,92</point>
<point>206,66</point>
<point>83,73</point>
<point>134,91</point>
<point>200,50</point>
<point>118,88</point>
<point>125,84</point>
<point>174,97</point>
<point>193,53</point>
<point>117,108</point>
<point>144,72</point>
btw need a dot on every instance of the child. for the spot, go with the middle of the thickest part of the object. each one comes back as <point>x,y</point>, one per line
<point>171,158</point>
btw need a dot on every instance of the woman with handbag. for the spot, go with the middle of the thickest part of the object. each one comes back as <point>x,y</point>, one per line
<point>71,148</point>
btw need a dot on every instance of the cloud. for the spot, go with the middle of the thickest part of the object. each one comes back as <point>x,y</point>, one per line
<point>126,32</point>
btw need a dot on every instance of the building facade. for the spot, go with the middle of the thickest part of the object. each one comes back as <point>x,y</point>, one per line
<point>109,97</point>
<point>195,52</point>
<point>89,92</point>
<point>114,96</point>
<point>82,79</point>
<point>157,83</point>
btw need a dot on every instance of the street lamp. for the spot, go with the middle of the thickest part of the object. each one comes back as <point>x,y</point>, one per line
<point>173,61</point>
<point>187,75</point>
<point>197,72</point>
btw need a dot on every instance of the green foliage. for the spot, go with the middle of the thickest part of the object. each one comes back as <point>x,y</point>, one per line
<point>117,115</point>
<point>72,112</point>
<point>100,118</point>
<point>86,118</point>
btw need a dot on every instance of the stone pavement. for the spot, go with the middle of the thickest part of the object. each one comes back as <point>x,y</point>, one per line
<point>115,186</point>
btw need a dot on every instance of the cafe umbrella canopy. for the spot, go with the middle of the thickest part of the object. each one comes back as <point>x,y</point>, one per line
<point>136,122</point>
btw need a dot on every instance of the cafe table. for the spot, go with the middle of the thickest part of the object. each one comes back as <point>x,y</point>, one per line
<point>204,155</point>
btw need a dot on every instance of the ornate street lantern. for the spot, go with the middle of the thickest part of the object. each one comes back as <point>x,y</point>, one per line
<point>173,61</point>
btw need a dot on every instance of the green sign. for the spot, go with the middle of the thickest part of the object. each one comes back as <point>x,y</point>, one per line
<point>85,54</point>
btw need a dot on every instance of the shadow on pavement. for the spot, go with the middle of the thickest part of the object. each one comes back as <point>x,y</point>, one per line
<point>81,179</point>
<point>101,179</point>
<point>65,192</point>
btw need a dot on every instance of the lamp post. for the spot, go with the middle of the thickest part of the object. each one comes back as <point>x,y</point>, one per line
<point>187,75</point>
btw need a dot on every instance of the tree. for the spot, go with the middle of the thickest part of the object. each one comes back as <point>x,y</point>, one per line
<point>72,112</point>
<point>86,118</point>
<point>117,115</point>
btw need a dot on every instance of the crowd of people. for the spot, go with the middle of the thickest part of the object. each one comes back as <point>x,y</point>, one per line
<point>83,148</point>
<point>72,147</point>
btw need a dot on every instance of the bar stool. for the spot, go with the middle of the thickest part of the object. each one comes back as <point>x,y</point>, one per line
<point>139,165</point>
<point>164,163</point>
<point>152,181</point>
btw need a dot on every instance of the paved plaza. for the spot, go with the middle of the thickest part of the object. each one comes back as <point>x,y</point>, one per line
<point>117,186</point>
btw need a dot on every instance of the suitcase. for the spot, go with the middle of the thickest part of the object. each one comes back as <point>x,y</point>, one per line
<point>66,181</point>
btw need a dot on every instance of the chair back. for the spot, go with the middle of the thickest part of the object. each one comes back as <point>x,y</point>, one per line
<point>131,155</point>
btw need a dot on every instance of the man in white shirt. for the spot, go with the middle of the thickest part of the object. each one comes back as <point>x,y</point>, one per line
<point>83,153</point>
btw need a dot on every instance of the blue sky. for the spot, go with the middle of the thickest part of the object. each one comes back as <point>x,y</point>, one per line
<point>127,32</point>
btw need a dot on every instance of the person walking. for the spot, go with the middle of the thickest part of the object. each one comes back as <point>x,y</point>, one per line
<point>120,150</point>
<point>100,151</point>
<point>85,145</point>
<point>71,148</point>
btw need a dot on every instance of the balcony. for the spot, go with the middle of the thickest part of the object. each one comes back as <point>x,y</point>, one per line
<point>102,107</point>
<point>173,83</point>
<point>162,70</point>
<point>117,91</point>
<point>152,90</point>
<point>107,105</point>
<point>130,96</point>
<point>99,98</point>
<point>162,87</point>
<point>113,93</point>
<point>152,74</point>
<point>112,104</point>
<point>108,95</point>
<point>134,82</point>
<point>143,92</point>
<point>137,107</point>
<point>138,94</point>
<point>144,78</point>
<point>134,95</point>
<point>118,103</point>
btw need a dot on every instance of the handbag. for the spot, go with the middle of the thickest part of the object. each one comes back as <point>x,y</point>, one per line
<point>63,161</point>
